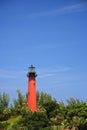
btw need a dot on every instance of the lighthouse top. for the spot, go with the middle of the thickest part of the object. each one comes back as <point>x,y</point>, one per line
<point>31,71</point>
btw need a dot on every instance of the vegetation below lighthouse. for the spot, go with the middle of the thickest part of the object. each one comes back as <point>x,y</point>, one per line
<point>51,115</point>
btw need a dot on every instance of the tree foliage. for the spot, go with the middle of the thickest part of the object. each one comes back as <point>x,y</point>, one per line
<point>4,100</point>
<point>50,114</point>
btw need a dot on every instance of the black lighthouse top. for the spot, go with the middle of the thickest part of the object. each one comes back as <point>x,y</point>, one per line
<point>31,71</point>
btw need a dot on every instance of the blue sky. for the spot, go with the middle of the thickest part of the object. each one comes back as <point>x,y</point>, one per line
<point>51,35</point>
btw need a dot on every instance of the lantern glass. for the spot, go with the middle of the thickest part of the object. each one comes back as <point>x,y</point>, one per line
<point>31,69</point>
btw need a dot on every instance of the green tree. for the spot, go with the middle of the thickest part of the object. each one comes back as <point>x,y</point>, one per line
<point>6,113</point>
<point>34,121</point>
<point>4,100</point>
<point>43,98</point>
<point>21,99</point>
<point>76,113</point>
<point>19,103</point>
<point>51,108</point>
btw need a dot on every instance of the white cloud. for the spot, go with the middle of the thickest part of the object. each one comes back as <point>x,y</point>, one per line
<point>51,72</point>
<point>46,75</point>
<point>64,10</point>
<point>11,74</point>
<point>48,72</point>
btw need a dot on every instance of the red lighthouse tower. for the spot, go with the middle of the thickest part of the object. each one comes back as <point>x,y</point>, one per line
<point>32,88</point>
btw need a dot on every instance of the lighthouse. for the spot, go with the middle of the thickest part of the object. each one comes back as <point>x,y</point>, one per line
<point>32,88</point>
